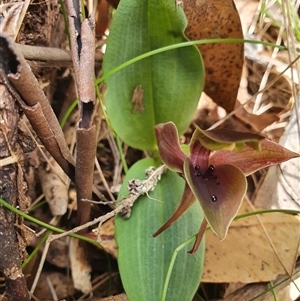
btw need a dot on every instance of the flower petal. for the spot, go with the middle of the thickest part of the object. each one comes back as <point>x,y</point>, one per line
<point>199,237</point>
<point>250,160</point>
<point>186,202</point>
<point>199,155</point>
<point>168,146</point>
<point>226,139</point>
<point>220,193</point>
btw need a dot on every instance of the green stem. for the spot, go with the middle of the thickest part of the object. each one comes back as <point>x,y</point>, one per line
<point>45,225</point>
<point>68,113</point>
<point>171,265</point>
<point>181,45</point>
<point>124,164</point>
<point>36,249</point>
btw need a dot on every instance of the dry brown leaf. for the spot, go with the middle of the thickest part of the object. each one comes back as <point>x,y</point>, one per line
<point>61,283</point>
<point>13,15</point>
<point>212,19</point>
<point>58,253</point>
<point>107,236</point>
<point>121,297</point>
<point>246,254</point>
<point>55,185</point>
<point>80,267</point>
<point>254,122</point>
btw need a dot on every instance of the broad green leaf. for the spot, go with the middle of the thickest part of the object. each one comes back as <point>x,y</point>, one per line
<point>144,260</point>
<point>157,89</point>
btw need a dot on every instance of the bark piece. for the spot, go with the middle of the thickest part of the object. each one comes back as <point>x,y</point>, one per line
<point>35,104</point>
<point>11,191</point>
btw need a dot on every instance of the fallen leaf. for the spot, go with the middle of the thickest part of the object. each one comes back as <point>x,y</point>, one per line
<point>121,297</point>
<point>246,254</point>
<point>57,254</point>
<point>55,185</point>
<point>256,123</point>
<point>213,19</point>
<point>107,236</point>
<point>80,267</point>
<point>61,283</point>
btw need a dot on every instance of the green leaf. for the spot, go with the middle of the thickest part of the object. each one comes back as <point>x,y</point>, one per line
<point>163,87</point>
<point>144,260</point>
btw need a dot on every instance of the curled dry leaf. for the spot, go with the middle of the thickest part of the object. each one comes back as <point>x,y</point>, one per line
<point>213,19</point>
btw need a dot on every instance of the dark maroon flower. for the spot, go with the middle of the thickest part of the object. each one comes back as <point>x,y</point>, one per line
<point>215,169</point>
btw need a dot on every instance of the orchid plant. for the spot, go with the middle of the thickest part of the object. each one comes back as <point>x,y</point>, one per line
<point>159,79</point>
<point>215,171</point>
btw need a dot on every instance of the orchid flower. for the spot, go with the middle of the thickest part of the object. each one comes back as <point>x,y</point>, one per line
<point>215,171</point>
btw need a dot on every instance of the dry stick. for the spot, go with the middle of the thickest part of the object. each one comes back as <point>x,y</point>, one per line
<point>82,37</point>
<point>136,189</point>
<point>102,178</point>
<point>51,288</point>
<point>264,80</point>
<point>49,54</point>
<point>116,156</point>
<point>34,103</point>
<point>54,222</point>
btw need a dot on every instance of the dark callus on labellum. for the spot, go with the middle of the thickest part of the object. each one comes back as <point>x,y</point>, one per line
<point>207,176</point>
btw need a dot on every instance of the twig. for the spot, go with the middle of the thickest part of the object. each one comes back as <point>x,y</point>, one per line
<point>49,54</point>
<point>99,169</point>
<point>43,258</point>
<point>136,189</point>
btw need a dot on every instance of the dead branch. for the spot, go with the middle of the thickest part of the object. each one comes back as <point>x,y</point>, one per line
<point>136,189</point>
<point>49,54</point>
<point>82,38</point>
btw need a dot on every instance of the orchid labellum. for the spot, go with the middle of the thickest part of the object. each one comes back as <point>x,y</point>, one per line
<point>215,171</point>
